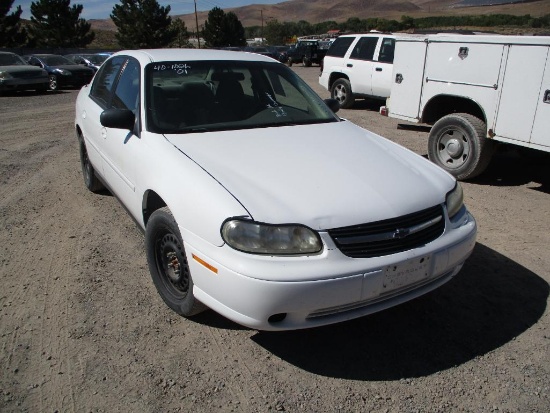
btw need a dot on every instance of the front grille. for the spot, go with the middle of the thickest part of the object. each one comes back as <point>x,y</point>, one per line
<point>390,236</point>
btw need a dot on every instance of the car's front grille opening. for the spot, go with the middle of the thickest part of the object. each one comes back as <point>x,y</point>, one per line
<point>390,236</point>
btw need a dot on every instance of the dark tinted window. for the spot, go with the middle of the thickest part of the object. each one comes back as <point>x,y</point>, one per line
<point>340,46</point>
<point>386,50</point>
<point>364,48</point>
<point>127,89</point>
<point>105,79</point>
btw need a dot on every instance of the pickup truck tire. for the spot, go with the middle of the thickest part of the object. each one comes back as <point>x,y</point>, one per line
<point>457,143</point>
<point>341,91</point>
<point>88,172</point>
<point>289,62</point>
<point>168,264</point>
<point>306,62</point>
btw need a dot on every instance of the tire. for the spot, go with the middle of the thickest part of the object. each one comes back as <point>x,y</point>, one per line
<point>289,62</point>
<point>168,264</point>
<point>306,62</point>
<point>341,91</point>
<point>457,143</point>
<point>88,172</point>
<point>53,82</point>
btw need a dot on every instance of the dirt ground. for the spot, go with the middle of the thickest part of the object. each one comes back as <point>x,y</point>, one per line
<point>82,328</point>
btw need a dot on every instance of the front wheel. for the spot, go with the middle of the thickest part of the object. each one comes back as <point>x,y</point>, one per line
<point>341,91</point>
<point>168,264</point>
<point>53,82</point>
<point>457,143</point>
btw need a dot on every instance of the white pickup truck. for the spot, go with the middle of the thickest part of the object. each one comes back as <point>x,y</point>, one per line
<point>475,91</point>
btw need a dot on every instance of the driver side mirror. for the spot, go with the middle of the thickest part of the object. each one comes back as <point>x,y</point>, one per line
<point>333,104</point>
<point>118,119</point>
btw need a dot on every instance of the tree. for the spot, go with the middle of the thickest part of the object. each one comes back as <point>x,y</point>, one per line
<point>54,23</point>
<point>143,24</point>
<point>223,29</point>
<point>182,34</point>
<point>11,32</point>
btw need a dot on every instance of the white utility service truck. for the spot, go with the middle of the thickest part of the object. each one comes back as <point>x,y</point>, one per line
<point>476,90</point>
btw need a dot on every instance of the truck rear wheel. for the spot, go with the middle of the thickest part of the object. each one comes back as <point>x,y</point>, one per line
<point>457,143</point>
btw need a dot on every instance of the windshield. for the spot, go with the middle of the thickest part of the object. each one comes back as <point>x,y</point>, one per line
<point>200,96</point>
<point>55,60</point>
<point>8,59</point>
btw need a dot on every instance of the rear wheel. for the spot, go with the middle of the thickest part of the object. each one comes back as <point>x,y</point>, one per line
<point>457,143</point>
<point>88,172</point>
<point>168,264</point>
<point>341,91</point>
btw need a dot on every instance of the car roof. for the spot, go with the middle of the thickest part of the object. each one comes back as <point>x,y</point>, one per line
<point>162,55</point>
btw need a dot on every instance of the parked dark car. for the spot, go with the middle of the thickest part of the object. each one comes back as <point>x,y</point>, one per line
<point>93,61</point>
<point>307,52</point>
<point>17,74</point>
<point>62,72</point>
<point>280,52</point>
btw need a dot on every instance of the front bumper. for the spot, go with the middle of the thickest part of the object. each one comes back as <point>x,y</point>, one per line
<point>325,289</point>
<point>22,83</point>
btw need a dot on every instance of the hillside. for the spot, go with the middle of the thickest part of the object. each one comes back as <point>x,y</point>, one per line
<point>315,11</point>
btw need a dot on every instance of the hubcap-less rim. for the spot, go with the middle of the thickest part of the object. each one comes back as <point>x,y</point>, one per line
<point>172,265</point>
<point>339,93</point>
<point>453,148</point>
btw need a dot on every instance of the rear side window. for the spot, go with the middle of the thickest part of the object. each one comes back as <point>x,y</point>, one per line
<point>386,50</point>
<point>105,79</point>
<point>340,46</point>
<point>364,48</point>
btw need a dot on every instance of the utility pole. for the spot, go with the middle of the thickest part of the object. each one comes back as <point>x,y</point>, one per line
<point>262,32</point>
<point>197,23</point>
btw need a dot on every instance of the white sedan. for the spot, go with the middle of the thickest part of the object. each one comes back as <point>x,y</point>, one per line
<point>257,201</point>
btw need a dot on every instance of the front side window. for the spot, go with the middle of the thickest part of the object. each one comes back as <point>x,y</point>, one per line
<point>105,79</point>
<point>127,89</point>
<point>340,46</point>
<point>364,49</point>
<point>200,96</point>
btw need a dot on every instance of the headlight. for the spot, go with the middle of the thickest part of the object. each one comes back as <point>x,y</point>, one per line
<point>455,200</point>
<point>258,238</point>
<point>5,75</point>
<point>62,72</point>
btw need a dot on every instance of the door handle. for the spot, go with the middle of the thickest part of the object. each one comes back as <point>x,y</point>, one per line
<point>378,69</point>
<point>349,65</point>
<point>546,98</point>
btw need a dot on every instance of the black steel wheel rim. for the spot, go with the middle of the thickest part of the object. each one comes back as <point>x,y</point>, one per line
<point>172,265</point>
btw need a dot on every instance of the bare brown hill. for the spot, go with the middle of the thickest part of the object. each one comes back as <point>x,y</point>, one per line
<point>315,11</point>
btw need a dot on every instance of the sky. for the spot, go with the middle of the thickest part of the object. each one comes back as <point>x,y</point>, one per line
<point>101,9</point>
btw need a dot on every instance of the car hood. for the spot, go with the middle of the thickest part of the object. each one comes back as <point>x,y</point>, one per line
<point>324,176</point>
<point>70,68</point>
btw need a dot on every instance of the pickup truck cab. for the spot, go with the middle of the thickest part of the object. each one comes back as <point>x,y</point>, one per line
<point>359,66</point>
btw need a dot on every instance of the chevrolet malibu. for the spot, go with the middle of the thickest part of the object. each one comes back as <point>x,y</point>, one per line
<point>256,200</point>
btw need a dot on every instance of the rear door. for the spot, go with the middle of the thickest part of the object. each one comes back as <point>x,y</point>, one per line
<point>360,64</point>
<point>383,67</point>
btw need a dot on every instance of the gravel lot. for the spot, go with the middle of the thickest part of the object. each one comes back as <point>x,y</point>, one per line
<point>82,328</point>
